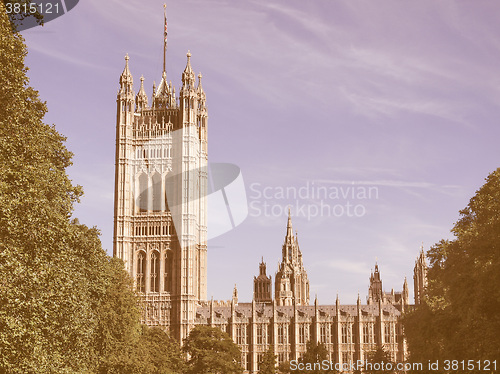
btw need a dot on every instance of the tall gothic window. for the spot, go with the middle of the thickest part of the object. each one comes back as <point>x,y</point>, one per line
<point>387,333</point>
<point>260,334</point>
<point>302,334</point>
<point>323,333</point>
<point>157,203</point>
<point>346,333</point>
<point>143,193</point>
<point>281,334</point>
<point>240,334</point>
<point>368,333</point>
<point>141,272</point>
<point>169,190</point>
<point>155,272</point>
<point>168,271</point>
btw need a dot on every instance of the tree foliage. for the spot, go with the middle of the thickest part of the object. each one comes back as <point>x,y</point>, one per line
<point>459,318</point>
<point>378,362</point>
<point>267,364</point>
<point>315,353</point>
<point>211,351</point>
<point>65,306</point>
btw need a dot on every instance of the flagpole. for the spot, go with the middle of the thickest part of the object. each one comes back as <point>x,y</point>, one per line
<point>164,36</point>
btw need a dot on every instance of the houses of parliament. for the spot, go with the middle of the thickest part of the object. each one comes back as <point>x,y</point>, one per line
<point>160,232</point>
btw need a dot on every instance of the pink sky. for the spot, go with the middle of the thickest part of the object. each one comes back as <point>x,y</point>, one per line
<point>399,96</point>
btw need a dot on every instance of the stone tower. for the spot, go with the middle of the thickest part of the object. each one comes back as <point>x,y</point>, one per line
<point>375,289</point>
<point>420,277</point>
<point>160,220</point>
<point>262,285</point>
<point>291,282</point>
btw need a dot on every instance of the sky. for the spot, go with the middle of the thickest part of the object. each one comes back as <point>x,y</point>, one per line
<point>375,122</point>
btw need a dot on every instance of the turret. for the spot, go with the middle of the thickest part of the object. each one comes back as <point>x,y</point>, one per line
<point>405,298</point>
<point>291,278</point>
<point>141,100</point>
<point>375,288</point>
<point>235,295</point>
<point>262,285</point>
<point>188,79</point>
<point>420,277</point>
<point>126,82</point>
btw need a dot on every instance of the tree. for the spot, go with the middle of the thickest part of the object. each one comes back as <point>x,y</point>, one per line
<point>164,352</point>
<point>315,354</point>
<point>379,362</point>
<point>284,367</point>
<point>267,364</point>
<point>65,306</point>
<point>211,351</point>
<point>459,317</point>
<point>46,318</point>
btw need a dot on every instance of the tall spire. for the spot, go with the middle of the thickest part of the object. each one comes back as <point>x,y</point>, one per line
<point>289,229</point>
<point>141,99</point>
<point>164,37</point>
<point>126,81</point>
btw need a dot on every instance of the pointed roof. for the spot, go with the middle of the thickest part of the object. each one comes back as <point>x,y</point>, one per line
<point>126,70</point>
<point>188,78</point>
<point>289,229</point>
<point>163,89</point>
<point>200,87</point>
<point>142,91</point>
<point>188,68</point>
<point>126,77</point>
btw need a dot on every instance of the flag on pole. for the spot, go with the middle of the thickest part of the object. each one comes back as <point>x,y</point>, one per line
<point>165,15</point>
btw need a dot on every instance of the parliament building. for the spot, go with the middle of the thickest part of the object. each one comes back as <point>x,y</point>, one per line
<point>160,232</point>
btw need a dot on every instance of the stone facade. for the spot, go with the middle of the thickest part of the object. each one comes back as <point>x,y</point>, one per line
<point>286,323</point>
<point>160,224</point>
<point>160,232</point>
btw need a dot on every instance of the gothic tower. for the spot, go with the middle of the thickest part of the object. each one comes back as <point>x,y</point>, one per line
<point>291,284</point>
<point>160,222</point>
<point>375,289</point>
<point>262,285</point>
<point>420,277</point>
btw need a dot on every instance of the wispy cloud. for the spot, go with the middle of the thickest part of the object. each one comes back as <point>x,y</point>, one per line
<point>348,266</point>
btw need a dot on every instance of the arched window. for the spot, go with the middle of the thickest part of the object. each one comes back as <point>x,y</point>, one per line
<point>155,272</point>
<point>156,192</point>
<point>169,190</point>
<point>168,271</point>
<point>141,272</point>
<point>143,193</point>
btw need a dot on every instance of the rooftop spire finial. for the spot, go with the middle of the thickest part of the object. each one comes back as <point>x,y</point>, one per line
<point>289,229</point>
<point>126,71</point>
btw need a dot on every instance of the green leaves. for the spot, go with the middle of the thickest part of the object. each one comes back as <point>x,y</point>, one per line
<point>65,306</point>
<point>459,319</point>
<point>268,363</point>
<point>211,351</point>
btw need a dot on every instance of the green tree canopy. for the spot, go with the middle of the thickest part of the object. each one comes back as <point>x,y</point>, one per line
<point>267,364</point>
<point>315,353</point>
<point>65,306</point>
<point>378,361</point>
<point>211,351</point>
<point>459,318</point>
